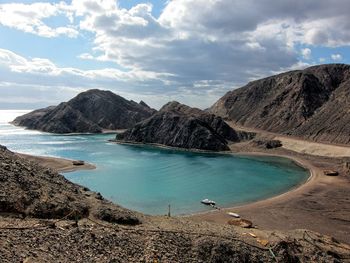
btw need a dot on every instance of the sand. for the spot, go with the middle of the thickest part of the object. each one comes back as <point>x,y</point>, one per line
<point>313,148</point>
<point>59,164</point>
<point>321,204</point>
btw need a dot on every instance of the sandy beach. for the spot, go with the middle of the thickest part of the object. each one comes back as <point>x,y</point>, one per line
<point>59,164</point>
<point>321,204</point>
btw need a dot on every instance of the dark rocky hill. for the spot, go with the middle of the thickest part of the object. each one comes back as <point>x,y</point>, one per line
<point>313,103</point>
<point>178,125</point>
<point>90,111</point>
<point>30,190</point>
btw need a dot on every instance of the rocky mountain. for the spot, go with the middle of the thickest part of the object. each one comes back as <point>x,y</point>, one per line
<point>178,125</point>
<point>90,111</point>
<point>313,103</point>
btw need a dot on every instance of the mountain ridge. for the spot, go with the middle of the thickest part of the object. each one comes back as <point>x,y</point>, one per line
<point>312,104</point>
<point>178,125</point>
<point>88,112</point>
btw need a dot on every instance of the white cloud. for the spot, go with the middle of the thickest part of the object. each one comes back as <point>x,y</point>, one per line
<point>336,57</point>
<point>86,56</point>
<point>306,53</point>
<point>19,64</point>
<point>29,18</point>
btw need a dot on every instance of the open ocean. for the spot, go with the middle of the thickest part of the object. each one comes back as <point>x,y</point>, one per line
<point>147,179</point>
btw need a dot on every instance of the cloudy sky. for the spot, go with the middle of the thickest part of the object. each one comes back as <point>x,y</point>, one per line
<point>192,51</point>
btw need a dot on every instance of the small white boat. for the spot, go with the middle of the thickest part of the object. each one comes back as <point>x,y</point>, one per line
<point>208,202</point>
<point>233,214</point>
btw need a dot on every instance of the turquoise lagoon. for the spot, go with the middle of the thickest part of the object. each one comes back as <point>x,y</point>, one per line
<point>147,179</point>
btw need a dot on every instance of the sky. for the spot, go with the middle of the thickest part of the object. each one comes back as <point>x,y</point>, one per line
<point>192,51</point>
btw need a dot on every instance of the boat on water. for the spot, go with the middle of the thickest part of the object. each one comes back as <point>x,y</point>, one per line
<point>206,201</point>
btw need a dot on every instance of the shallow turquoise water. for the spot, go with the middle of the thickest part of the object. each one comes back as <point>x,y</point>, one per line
<point>147,179</point>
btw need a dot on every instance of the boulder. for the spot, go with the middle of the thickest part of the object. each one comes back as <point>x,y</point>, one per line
<point>241,223</point>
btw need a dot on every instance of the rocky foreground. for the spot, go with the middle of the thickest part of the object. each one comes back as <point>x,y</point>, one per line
<point>30,190</point>
<point>45,218</point>
<point>181,126</point>
<point>313,104</point>
<point>89,112</point>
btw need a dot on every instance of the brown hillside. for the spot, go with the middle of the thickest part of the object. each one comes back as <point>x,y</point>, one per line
<point>313,103</point>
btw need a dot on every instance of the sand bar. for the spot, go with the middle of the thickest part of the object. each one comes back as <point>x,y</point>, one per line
<point>59,164</point>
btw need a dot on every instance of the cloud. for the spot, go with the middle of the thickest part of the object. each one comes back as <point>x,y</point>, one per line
<point>39,66</point>
<point>336,57</point>
<point>35,77</point>
<point>194,49</point>
<point>306,53</point>
<point>231,41</point>
<point>30,18</point>
<point>86,56</point>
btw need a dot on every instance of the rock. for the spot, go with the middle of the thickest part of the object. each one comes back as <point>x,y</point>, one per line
<point>271,144</point>
<point>330,173</point>
<point>116,216</point>
<point>89,112</point>
<point>347,166</point>
<point>144,104</point>
<point>263,242</point>
<point>268,144</point>
<point>312,103</point>
<point>178,125</point>
<point>241,222</point>
<point>3,148</point>
<point>79,162</point>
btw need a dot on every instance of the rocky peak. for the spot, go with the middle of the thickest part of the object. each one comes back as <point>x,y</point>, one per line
<point>178,125</point>
<point>142,103</point>
<point>90,111</point>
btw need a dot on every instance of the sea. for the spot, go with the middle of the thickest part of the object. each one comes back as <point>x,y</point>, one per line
<point>149,179</point>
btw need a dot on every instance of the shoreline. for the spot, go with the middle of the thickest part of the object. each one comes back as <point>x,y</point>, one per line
<point>166,147</point>
<point>314,173</point>
<point>61,165</point>
<point>312,178</point>
<point>318,204</point>
<point>312,170</point>
<point>65,165</point>
<point>103,131</point>
<point>314,204</point>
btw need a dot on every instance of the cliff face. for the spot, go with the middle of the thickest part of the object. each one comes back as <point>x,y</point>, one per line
<point>90,111</point>
<point>178,125</point>
<point>313,103</point>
